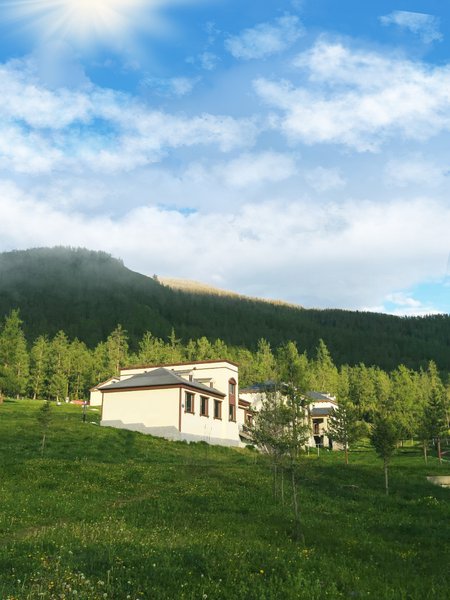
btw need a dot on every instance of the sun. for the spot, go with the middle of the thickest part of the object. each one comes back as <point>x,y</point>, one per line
<point>84,20</point>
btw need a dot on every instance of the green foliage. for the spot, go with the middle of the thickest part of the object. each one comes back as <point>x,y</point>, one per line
<point>344,426</point>
<point>58,388</point>
<point>117,350</point>
<point>14,360</point>
<point>40,364</point>
<point>108,514</point>
<point>384,437</point>
<point>325,373</point>
<point>434,417</point>
<point>85,294</point>
<point>270,430</point>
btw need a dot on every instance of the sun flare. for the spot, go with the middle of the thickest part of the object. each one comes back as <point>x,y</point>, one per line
<point>82,19</point>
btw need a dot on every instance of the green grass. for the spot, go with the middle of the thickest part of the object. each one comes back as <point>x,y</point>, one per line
<point>110,514</point>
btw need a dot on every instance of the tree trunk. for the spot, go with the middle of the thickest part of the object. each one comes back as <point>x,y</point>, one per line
<point>346,454</point>
<point>282,486</point>
<point>275,481</point>
<point>425,454</point>
<point>43,444</point>
<point>386,477</point>
<point>298,534</point>
<point>439,450</point>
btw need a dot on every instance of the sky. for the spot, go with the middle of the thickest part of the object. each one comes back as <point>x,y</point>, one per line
<point>286,149</point>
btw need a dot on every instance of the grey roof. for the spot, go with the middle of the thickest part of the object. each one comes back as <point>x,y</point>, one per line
<point>156,378</point>
<point>320,396</point>
<point>322,412</point>
<point>272,385</point>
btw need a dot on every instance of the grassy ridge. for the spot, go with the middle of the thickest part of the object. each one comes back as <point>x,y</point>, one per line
<point>110,514</point>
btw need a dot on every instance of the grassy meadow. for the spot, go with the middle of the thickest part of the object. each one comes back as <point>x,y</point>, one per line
<point>110,514</point>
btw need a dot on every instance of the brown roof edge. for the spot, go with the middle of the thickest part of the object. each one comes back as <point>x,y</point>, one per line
<point>180,364</point>
<point>244,402</point>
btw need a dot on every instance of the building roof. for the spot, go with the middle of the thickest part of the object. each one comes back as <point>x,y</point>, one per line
<point>321,397</point>
<point>96,387</point>
<point>159,378</point>
<point>257,388</point>
<point>181,364</point>
<point>322,412</point>
<point>267,386</point>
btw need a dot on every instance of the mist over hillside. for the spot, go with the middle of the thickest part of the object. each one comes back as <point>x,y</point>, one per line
<point>88,293</point>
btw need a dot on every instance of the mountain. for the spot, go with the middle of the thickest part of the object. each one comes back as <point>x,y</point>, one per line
<point>88,293</point>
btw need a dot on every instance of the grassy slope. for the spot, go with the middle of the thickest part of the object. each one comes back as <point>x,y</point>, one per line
<point>114,514</point>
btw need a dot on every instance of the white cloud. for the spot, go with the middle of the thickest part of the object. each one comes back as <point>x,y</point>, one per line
<point>404,304</point>
<point>265,39</point>
<point>324,180</point>
<point>351,255</point>
<point>98,128</point>
<point>422,24</point>
<point>258,169</point>
<point>415,171</point>
<point>360,99</point>
<point>208,61</point>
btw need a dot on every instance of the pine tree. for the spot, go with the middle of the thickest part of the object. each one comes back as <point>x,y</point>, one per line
<point>204,350</point>
<point>80,368</point>
<point>434,422</point>
<point>117,350</point>
<point>405,401</point>
<point>325,373</point>
<point>343,424</point>
<point>14,358</point>
<point>151,349</point>
<point>281,429</point>
<point>39,366</point>
<point>59,368</point>
<point>173,351</point>
<point>293,367</point>
<point>264,362</point>
<point>384,438</point>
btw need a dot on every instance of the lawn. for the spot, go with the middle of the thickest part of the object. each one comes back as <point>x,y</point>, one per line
<point>110,514</point>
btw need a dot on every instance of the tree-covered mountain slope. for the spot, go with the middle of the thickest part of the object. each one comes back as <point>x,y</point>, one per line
<point>87,293</point>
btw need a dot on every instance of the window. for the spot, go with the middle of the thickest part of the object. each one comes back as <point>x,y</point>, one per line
<point>204,406</point>
<point>217,409</point>
<point>232,400</point>
<point>316,425</point>
<point>189,402</point>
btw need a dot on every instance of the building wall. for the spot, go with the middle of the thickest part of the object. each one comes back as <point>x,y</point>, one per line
<point>95,398</point>
<point>149,408</point>
<point>216,374</point>
<point>158,411</point>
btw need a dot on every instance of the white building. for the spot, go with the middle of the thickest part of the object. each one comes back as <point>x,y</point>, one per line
<point>320,408</point>
<point>95,394</point>
<point>186,401</point>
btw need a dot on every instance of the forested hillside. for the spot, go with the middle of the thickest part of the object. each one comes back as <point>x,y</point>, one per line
<point>87,294</point>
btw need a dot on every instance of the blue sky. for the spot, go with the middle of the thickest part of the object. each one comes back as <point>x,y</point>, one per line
<point>286,149</point>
